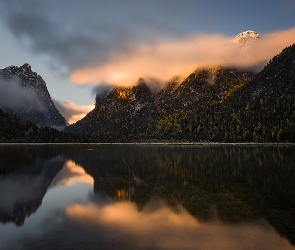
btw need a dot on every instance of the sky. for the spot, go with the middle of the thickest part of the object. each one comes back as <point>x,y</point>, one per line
<point>81,48</point>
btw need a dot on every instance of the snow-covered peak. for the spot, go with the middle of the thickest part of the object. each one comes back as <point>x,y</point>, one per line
<point>249,34</point>
<point>246,38</point>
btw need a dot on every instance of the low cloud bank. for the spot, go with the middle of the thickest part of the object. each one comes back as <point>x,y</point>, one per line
<point>162,61</point>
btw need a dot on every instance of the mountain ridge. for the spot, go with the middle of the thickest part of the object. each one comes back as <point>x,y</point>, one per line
<point>124,110</point>
<point>31,99</point>
<point>211,104</point>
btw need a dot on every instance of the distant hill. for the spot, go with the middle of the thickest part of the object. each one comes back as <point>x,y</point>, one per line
<point>211,104</point>
<point>24,93</point>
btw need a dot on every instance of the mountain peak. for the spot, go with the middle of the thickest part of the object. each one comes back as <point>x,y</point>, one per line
<point>26,67</point>
<point>249,34</point>
<point>246,38</point>
<point>27,96</point>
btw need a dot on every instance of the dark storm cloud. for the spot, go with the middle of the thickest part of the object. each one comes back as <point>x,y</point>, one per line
<point>77,33</point>
<point>46,36</point>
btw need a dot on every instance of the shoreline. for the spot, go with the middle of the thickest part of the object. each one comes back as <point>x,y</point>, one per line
<point>157,143</point>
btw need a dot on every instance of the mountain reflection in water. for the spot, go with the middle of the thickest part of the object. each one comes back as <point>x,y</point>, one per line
<point>148,197</point>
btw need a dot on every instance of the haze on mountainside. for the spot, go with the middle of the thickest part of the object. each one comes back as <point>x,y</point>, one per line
<point>13,96</point>
<point>24,93</point>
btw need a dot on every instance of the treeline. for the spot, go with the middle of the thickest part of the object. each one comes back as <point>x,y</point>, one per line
<point>15,130</point>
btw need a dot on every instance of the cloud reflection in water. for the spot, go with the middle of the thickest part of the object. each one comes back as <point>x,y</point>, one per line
<point>70,174</point>
<point>162,228</point>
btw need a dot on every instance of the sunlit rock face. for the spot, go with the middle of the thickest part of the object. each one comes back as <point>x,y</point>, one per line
<point>24,93</point>
<point>120,110</point>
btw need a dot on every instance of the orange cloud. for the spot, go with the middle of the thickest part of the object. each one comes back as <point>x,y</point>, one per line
<point>164,60</point>
<point>71,111</point>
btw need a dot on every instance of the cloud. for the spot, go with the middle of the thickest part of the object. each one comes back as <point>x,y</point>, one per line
<point>117,42</point>
<point>166,59</point>
<point>74,34</point>
<point>71,111</point>
<point>13,96</point>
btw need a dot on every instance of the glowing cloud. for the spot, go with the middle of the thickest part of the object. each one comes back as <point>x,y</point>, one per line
<point>163,60</point>
<point>71,111</point>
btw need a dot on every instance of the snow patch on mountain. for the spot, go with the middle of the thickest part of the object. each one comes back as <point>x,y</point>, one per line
<point>245,39</point>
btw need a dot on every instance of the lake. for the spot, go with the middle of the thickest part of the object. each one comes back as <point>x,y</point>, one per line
<point>147,196</point>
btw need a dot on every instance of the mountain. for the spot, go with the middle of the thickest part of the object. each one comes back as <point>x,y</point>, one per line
<point>211,104</point>
<point>265,107</point>
<point>124,109</point>
<point>24,93</point>
<point>245,39</point>
<point>137,112</point>
<point>258,110</point>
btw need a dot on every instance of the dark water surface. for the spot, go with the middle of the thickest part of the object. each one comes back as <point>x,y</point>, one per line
<point>147,197</point>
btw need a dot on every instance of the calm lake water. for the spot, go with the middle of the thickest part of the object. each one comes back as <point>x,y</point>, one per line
<point>147,197</point>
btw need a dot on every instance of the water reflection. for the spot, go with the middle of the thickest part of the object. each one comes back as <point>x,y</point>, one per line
<point>22,191</point>
<point>163,228</point>
<point>70,174</point>
<point>151,197</point>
